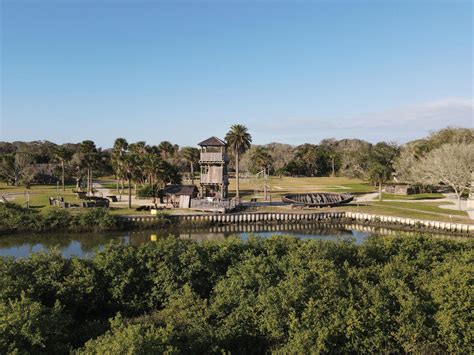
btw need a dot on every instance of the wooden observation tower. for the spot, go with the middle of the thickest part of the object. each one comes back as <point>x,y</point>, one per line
<point>213,162</point>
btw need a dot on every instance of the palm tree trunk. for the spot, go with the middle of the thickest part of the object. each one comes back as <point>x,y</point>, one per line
<point>380,190</point>
<point>62,174</point>
<point>88,173</point>
<point>192,172</point>
<point>237,182</point>
<point>129,193</point>
<point>332,166</point>
<point>90,180</point>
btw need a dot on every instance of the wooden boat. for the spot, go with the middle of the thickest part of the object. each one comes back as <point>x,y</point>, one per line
<point>318,199</point>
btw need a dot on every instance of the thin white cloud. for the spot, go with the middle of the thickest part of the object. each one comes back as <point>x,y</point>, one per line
<point>398,124</point>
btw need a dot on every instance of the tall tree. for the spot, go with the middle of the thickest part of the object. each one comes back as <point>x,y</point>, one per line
<point>118,154</point>
<point>167,149</point>
<point>153,164</point>
<point>261,159</point>
<point>15,167</point>
<point>239,141</point>
<point>139,153</point>
<point>62,155</point>
<point>89,156</point>
<point>282,155</point>
<point>129,163</point>
<point>329,146</point>
<point>451,165</point>
<point>381,163</point>
<point>191,155</point>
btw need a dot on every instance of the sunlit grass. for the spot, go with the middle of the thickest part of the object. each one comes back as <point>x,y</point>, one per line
<point>425,196</point>
<point>251,188</point>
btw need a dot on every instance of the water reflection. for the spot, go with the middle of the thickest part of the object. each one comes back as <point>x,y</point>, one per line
<point>84,244</point>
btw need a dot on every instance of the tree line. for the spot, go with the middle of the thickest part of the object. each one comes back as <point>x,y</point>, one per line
<point>425,161</point>
<point>389,295</point>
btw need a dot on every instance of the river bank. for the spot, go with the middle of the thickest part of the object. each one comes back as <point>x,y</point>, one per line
<point>16,219</point>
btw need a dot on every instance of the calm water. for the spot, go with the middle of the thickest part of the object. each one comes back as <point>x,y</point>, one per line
<point>84,244</point>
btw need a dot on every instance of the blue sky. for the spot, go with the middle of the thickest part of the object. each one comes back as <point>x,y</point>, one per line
<point>293,72</point>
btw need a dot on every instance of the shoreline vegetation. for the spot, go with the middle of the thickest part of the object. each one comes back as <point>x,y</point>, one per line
<point>280,294</point>
<point>16,219</point>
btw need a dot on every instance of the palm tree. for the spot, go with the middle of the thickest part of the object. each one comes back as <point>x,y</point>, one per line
<point>118,153</point>
<point>167,149</point>
<point>89,158</point>
<point>261,159</point>
<point>129,163</point>
<point>191,155</point>
<point>139,152</point>
<point>62,155</point>
<point>153,164</point>
<point>239,141</point>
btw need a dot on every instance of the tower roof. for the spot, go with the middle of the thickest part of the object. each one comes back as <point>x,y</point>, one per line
<point>212,142</point>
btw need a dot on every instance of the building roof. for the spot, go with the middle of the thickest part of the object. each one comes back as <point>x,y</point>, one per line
<point>178,190</point>
<point>213,142</point>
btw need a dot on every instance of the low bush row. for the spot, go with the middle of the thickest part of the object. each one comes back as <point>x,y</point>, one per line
<point>14,218</point>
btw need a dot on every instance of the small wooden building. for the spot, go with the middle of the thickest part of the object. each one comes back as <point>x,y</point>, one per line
<point>179,196</point>
<point>401,189</point>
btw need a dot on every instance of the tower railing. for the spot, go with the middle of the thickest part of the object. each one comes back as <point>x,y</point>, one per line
<point>213,157</point>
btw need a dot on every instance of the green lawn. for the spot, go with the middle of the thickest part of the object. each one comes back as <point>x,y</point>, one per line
<point>432,207</point>
<point>426,196</point>
<point>278,186</point>
<point>38,194</point>
<point>112,185</point>
<point>285,185</point>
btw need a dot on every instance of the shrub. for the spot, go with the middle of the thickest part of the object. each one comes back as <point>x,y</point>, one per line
<point>96,219</point>
<point>15,218</point>
<point>149,191</point>
<point>30,327</point>
<point>56,219</point>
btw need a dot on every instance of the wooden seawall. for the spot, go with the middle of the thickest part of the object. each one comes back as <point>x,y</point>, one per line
<point>259,217</point>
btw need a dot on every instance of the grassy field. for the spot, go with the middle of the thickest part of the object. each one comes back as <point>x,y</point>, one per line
<point>38,194</point>
<point>285,185</point>
<point>418,213</point>
<point>426,196</point>
<point>278,186</point>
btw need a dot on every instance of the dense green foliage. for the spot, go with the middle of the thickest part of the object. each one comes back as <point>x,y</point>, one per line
<point>14,218</point>
<point>140,163</point>
<point>390,295</point>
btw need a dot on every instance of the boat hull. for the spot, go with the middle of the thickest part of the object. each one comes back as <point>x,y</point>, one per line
<point>318,199</point>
